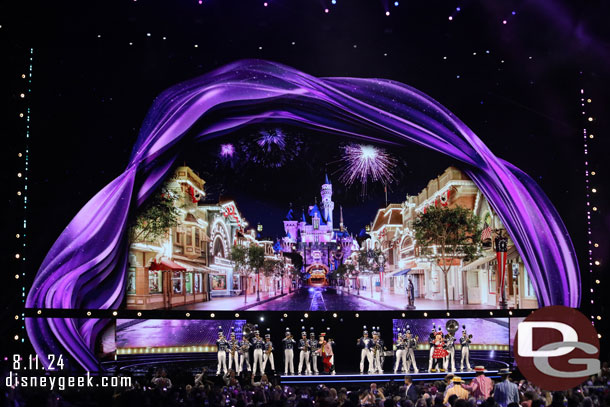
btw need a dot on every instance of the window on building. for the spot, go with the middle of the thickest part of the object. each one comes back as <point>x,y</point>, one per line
<point>131,281</point>
<point>178,237</point>
<point>197,241</point>
<point>177,282</point>
<point>155,285</point>
<point>197,278</point>
<point>492,281</point>
<point>188,283</point>
<point>189,236</point>
<point>527,283</point>
<point>316,222</point>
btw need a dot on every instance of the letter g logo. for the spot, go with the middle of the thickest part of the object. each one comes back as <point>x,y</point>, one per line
<point>552,344</point>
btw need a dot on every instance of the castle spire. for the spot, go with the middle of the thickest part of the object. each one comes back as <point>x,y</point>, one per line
<point>326,178</point>
<point>341,218</point>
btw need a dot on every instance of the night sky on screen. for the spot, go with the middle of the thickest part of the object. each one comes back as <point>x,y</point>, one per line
<point>511,70</point>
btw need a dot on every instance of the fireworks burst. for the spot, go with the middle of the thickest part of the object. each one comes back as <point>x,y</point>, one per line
<point>271,140</point>
<point>365,162</point>
<point>227,150</point>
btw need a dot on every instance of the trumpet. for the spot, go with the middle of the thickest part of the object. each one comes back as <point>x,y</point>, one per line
<point>269,350</point>
<point>233,348</point>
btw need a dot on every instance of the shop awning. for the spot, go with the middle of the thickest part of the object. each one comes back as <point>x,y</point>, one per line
<point>166,265</point>
<point>400,273</point>
<point>479,262</point>
<point>189,266</point>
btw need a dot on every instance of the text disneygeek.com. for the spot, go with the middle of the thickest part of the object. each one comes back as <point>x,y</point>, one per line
<point>65,382</point>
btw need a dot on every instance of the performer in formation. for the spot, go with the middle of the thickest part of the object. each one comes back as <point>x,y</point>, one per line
<point>234,352</point>
<point>431,343</point>
<point>365,344</point>
<point>450,348</point>
<point>268,355</point>
<point>243,352</point>
<point>440,353</point>
<point>378,351</point>
<point>222,346</point>
<point>288,344</point>
<point>410,350</point>
<point>400,355</point>
<point>313,349</point>
<point>304,353</point>
<point>465,342</point>
<point>259,345</point>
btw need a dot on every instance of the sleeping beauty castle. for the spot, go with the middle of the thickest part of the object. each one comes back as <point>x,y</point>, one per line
<point>312,234</point>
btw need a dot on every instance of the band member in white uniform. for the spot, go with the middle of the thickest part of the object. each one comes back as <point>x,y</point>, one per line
<point>304,353</point>
<point>431,343</point>
<point>233,348</point>
<point>288,343</point>
<point>465,342</point>
<point>365,344</point>
<point>259,345</point>
<point>244,354</point>
<point>268,354</point>
<point>377,349</point>
<point>313,349</point>
<point>222,346</point>
<point>450,347</point>
<point>400,355</point>
<point>410,351</point>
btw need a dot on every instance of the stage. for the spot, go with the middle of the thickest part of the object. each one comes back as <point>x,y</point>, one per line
<point>376,378</point>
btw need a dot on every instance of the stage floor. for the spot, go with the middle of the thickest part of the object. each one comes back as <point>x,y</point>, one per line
<point>357,377</point>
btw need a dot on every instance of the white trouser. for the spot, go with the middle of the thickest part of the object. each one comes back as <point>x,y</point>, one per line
<point>314,361</point>
<point>304,358</point>
<point>288,361</point>
<point>234,360</point>
<point>366,354</point>
<point>450,358</point>
<point>465,356</point>
<point>400,356</point>
<point>244,357</point>
<point>377,367</point>
<point>222,362</point>
<point>410,356</point>
<point>258,361</point>
<point>268,358</point>
<point>430,359</point>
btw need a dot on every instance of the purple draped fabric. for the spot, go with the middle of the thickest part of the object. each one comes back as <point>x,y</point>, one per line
<point>86,267</point>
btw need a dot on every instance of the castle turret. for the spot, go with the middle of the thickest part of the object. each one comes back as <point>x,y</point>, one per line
<point>327,203</point>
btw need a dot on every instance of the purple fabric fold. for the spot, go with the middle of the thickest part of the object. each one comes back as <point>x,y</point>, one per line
<point>86,267</point>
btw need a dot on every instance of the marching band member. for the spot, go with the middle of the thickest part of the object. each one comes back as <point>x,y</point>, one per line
<point>304,353</point>
<point>377,350</point>
<point>450,347</point>
<point>431,343</point>
<point>243,352</point>
<point>233,346</point>
<point>410,351</point>
<point>440,353</point>
<point>222,346</point>
<point>365,344</point>
<point>313,349</point>
<point>259,345</point>
<point>400,355</point>
<point>465,342</point>
<point>288,344</point>
<point>268,355</point>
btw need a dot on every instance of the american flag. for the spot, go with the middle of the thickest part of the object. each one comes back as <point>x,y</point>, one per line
<point>486,233</point>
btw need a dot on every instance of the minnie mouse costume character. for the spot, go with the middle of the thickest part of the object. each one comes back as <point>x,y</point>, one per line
<point>440,353</point>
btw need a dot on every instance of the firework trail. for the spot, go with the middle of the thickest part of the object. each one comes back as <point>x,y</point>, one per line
<point>364,163</point>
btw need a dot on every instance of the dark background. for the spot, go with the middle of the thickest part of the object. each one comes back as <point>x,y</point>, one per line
<point>89,95</point>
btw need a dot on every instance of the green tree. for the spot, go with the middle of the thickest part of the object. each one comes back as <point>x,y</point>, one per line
<point>239,256</point>
<point>445,234</point>
<point>256,261</point>
<point>270,267</point>
<point>158,214</point>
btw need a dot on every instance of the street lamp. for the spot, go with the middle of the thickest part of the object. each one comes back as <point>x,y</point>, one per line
<point>381,262</point>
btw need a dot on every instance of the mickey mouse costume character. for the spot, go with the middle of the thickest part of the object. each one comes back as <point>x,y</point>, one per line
<point>440,353</point>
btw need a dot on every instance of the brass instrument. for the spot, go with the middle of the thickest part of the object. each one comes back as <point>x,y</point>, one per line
<point>452,326</point>
<point>233,348</point>
<point>269,350</point>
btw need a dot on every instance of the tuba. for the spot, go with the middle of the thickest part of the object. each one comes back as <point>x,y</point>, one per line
<point>452,326</point>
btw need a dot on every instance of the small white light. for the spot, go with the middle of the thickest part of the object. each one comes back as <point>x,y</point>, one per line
<point>425,314</point>
<point>212,315</point>
<point>114,313</point>
<point>236,315</point>
<point>22,95</point>
<point>597,262</point>
<point>188,314</point>
<point>88,313</point>
<point>335,315</point>
<point>16,337</point>
<point>17,255</point>
<point>148,34</point>
<point>39,312</point>
<point>139,314</point>
<point>306,315</point>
